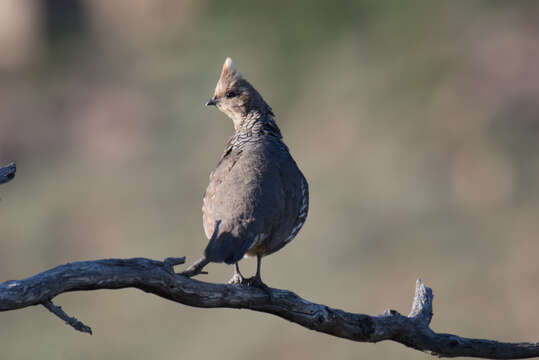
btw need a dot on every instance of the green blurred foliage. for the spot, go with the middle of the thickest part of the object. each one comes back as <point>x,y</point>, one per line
<point>416,124</point>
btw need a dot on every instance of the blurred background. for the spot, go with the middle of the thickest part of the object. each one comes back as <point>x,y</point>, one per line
<point>416,124</point>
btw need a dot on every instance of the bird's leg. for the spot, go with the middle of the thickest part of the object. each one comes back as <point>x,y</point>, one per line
<point>257,279</point>
<point>237,278</point>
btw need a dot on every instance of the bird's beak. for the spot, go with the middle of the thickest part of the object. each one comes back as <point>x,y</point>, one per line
<point>212,101</point>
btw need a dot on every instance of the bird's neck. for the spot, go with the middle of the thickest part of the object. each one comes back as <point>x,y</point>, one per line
<point>257,124</point>
<point>249,121</point>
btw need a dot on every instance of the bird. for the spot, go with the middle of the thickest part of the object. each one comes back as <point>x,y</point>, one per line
<point>257,199</point>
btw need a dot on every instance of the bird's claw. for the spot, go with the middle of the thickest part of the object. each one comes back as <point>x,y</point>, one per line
<point>237,279</point>
<point>254,281</point>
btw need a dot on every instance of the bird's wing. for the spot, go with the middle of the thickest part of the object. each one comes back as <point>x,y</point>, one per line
<point>226,163</point>
<point>296,195</point>
<point>246,197</point>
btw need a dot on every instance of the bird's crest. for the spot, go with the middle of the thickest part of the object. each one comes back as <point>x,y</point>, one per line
<point>229,75</point>
<point>229,67</point>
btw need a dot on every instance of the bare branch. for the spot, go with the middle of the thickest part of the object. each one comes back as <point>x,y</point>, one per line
<point>76,324</point>
<point>158,277</point>
<point>170,262</point>
<point>196,268</point>
<point>7,173</point>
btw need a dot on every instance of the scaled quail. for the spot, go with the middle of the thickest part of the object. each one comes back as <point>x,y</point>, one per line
<point>257,199</point>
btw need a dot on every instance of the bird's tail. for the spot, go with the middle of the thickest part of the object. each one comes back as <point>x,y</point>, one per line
<point>225,247</point>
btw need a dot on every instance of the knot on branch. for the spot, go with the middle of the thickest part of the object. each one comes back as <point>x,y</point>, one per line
<point>170,262</point>
<point>422,305</point>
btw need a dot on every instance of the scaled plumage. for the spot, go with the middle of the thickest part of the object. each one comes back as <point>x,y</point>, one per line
<point>257,198</point>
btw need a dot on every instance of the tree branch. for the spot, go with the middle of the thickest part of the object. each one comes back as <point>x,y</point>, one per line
<point>7,173</point>
<point>71,321</point>
<point>158,277</point>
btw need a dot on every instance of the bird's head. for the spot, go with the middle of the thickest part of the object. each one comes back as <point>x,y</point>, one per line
<point>236,97</point>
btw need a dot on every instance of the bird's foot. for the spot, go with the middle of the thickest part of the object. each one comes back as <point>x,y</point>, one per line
<point>237,279</point>
<point>256,281</point>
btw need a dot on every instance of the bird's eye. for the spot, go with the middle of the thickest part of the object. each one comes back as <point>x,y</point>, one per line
<point>230,94</point>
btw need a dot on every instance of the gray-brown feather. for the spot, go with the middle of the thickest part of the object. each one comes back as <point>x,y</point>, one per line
<point>257,198</point>
<point>255,190</point>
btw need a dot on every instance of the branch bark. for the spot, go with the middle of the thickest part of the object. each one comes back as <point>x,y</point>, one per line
<point>7,173</point>
<point>158,277</point>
